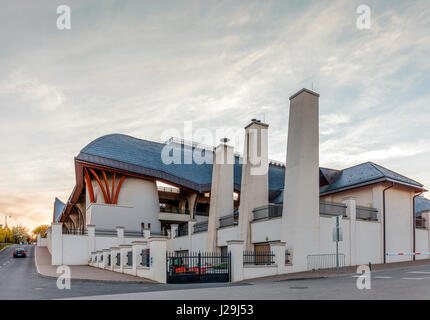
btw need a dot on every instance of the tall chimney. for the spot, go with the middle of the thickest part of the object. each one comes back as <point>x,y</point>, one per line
<point>300,215</point>
<point>254,189</point>
<point>221,198</point>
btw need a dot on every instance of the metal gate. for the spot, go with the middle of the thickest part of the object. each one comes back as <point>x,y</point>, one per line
<point>198,267</point>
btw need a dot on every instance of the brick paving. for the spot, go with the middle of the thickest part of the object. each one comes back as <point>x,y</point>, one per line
<point>44,268</point>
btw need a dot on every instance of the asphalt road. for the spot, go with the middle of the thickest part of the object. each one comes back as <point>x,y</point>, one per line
<point>406,283</point>
<point>19,280</point>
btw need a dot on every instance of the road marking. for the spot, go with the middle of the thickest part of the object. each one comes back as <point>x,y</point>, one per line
<point>416,278</point>
<point>424,272</point>
<point>381,277</point>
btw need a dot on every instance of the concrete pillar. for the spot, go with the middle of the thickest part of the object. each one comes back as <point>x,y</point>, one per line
<point>222,187</point>
<point>57,243</point>
<point>351,212</point>
<point>191,224</point>
<point>254,190</point>
<point>146,233</point>
<point>157,250</point>
<point>120,234</point>
<point>300,216</point>
<point>113,253</point>
<point>124,249</point>
<point>39,240</point>
<point>106,252</point>
<point>137,247</point>
<point>192,199</point>
<point>99,259</point>
<point>91,231</point>
<point>278,249</point>
<point>173,228</point>
<point>236,247</point>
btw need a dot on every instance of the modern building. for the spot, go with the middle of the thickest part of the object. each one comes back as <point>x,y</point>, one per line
<point>122,181</point>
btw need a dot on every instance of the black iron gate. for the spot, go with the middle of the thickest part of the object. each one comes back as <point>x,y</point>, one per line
<point>198,267</point>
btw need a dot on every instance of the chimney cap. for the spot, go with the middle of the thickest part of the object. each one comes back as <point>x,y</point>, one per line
<point>224,140</point>
<point>304,90</point>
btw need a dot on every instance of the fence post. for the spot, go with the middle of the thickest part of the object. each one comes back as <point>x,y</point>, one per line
<point>157,251</point>
<point>57,243</point>
<point>91,229</point>
<point>278,249</point>
<point>191,224</point>
<point>137,247</point>
<point>120,234</point>
<point>351,212</point>
<point>123,249</point>
<point>235,247</point>
<point>105,258</point>
<point>39,240</point>
<point>173,228</point>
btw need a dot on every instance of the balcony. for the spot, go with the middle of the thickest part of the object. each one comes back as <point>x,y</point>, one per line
<point>267,212</point>
<point>366,213</point>
<point>420,223</point>
<point>201,227</point>
<point>228,220</point>
<point>173,214</point>
<point>332,209</point>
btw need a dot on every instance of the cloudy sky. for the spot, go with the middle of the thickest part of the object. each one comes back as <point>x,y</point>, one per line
<point>139,67</point>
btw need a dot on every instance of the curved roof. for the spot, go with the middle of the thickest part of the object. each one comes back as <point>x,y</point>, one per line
<point>145,157</point>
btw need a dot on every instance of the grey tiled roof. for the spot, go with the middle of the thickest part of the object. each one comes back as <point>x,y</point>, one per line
<point>58,209</point>
<point>365,173</point>
<point>143,156</point>
<point>421,204</point>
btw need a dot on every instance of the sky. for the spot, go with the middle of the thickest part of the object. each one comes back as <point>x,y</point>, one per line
<point>140,67</point>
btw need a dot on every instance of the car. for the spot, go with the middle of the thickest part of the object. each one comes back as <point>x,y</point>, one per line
<point>19,252</point>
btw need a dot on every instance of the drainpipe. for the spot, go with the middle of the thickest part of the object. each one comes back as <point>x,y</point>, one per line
<point>384,224</point>
<point>414,223</point>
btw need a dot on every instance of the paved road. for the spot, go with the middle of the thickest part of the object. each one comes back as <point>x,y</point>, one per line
<point>19,280</point>
<point>407,283</point>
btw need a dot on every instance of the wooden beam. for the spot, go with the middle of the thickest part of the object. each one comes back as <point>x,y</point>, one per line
<point>107,186</point>
<point>117,190</point>
<point>113,188</point>
<point>89,185</point>
<point>100,184</point>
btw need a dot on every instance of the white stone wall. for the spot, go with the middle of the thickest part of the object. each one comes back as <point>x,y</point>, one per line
<point>137,202</point>
<point>422,243</point>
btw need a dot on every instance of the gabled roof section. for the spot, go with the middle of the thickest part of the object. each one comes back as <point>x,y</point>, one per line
<point>58,209</point>
<point>421,204</point>
<point>366,173</point>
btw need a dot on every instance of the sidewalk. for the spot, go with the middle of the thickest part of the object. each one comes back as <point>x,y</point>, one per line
<point>42,259</point>
<point>344,271</point>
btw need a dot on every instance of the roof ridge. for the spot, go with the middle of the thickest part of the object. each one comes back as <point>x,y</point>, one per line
<point>375,165</point>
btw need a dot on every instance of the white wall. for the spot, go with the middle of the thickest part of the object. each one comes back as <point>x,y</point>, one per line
<point>75,249</point>
<point>368,238</point>
<point>266,230</point>
<point>422,243</point>
<point>226,234</point>
<point>250,272</point>
<point>327,245</point>
<point>398,204</point>
<point>137,202</point>
<point>105,242</point>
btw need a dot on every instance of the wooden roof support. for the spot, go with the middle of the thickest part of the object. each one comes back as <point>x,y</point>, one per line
<point>100,184</point>
<point>107,187</point>
<point>89,185</point>
<point>118,188</point>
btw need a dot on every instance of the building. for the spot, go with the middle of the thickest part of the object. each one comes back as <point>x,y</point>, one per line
<point>122,181</point>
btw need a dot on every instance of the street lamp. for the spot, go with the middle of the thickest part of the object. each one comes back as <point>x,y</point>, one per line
<point>5,220</point>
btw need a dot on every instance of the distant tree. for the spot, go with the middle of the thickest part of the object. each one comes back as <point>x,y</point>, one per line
<point>20,234</point>
<point>2,235</point>
<point>41,230</point>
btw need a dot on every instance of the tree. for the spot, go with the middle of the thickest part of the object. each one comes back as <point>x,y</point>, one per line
<point>20,233</point>
<point>41,230</point>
